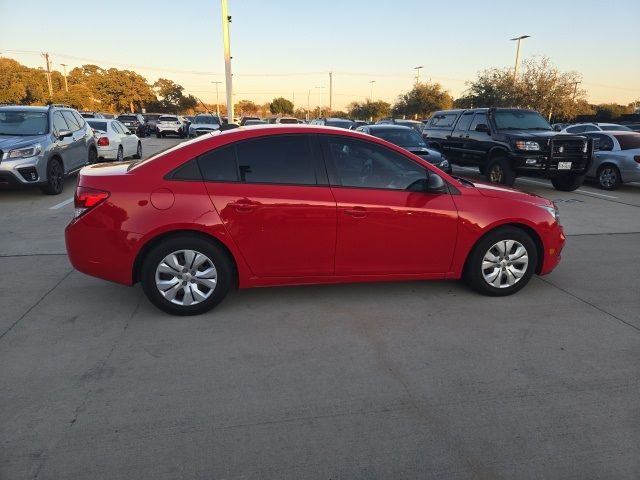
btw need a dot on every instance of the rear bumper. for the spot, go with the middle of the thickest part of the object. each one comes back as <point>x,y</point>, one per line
<point>108,153</point>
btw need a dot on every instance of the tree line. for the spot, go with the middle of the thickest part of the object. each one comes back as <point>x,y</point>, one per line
<point>540,85</point>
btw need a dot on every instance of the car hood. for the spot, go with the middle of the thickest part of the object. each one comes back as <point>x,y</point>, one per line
<point>492,190</point>
<point>9,142</point>
<point>212,126</point>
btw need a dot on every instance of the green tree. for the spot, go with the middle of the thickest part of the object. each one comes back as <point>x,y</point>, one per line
<point>281,105</point>
<point>607,112</point>
<point>369,110</point>
<point>422,100</point>
<point>246,107</point>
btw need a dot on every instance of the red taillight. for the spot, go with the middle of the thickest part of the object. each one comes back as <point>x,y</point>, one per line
<point>87,198</point>
<point>637,158</point>
<point>103,141</point>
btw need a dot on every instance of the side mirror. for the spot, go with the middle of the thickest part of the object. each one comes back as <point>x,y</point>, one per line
<point>64,134</point>
<point>127,132</point>
<point>435,184</point>
<point>482,127</point>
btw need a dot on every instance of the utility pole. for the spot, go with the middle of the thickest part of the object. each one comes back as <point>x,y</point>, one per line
<point>417,69</point>
<point>518,39</point>
<point>575,90</point>
<point>64,69</point>
<point>226,19</point>
<point>217,101</point>
<point>330,92</point>
<point>46,59</point>
<point>371,90</point>
<point>308,104</point>
<point>320,108</point>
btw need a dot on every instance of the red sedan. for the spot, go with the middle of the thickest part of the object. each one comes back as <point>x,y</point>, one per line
<point>287,205</point>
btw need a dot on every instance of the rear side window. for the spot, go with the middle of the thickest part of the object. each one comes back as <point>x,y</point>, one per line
<point>628,142</point>
<point>219,165</point>
<point>443,120</point>
<point>604,141</point>
<point>79,118</point>
<point>283,159</point>
<point>480,118</point>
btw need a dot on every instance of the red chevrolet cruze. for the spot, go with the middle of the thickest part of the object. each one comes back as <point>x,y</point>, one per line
<point>286,205</point>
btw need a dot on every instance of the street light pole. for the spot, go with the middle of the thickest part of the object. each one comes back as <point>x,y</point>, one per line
<point>320,112</point>
<point>519,39</point>
<point>371,90</point>
<point>217,102</point>
<point>417,69</point>
<point>64,69</point>
<point>226,19</point>
<point>308,104</point>
<point>575,90</point>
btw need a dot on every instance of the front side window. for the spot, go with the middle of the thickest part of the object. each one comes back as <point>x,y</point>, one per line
<point>79,118</point>
<point>357,163</point>
<point>464,122</point>
<point>73,123</point>
<point>59,123</point>
<point>283,159</point>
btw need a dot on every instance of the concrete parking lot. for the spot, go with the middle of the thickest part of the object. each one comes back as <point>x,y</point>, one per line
<point>389,380</point>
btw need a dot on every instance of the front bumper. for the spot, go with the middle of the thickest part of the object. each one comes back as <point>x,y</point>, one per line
<point>553,242</point>
<point>23,172</point>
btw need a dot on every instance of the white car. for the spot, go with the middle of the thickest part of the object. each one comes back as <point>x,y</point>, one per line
<point>595,127</point>
<point>114,141</point>
<point>170,125</point>
<point>203,123</point>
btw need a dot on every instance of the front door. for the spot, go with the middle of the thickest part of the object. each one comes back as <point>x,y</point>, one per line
<point>386,225</point>
<point>276,204</point>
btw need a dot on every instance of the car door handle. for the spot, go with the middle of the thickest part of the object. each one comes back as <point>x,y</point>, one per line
<point>356,212</point>
<point>243,206</point>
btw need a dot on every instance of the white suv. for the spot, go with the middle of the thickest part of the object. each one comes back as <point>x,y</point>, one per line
<point>170,125</point>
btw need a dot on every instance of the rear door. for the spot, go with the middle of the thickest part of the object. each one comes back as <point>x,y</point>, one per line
<point>477,144</point>
<point>273,196</point>
<point>385,224</point>
<point>77,148</point>
<point>459,137</point>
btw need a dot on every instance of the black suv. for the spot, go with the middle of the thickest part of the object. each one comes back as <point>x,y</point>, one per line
<point>135,123</point>
<point>506,142</point>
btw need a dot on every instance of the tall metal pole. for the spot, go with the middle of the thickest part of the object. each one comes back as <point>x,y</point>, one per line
<point>226,19</point>
<point>320,108</point>
<point>575,90</point>
<point>330,92</point>
<point>64,69</point>
<point>371,90</point>
<point>518,39</point>
<point>49,84</point>
<point>308,104</point>
<point>217,101</point>
<point>417,69</point>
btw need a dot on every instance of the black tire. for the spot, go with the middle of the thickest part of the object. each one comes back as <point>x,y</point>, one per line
<point>482,169</point>
<point>93,156</point>
<point>138,154</point>
<point>120,156</point>
<point>474,275</point>
<point>158,135</point>
<point>55,178</point>
<point>608,177</point>
<point>499,171</point>
<point>217,256</point>
<point>567,183</point>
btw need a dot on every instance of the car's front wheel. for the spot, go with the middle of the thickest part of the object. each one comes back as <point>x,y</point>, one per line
<point>55,178</point>
<point>567,183</point>
<point>186,275</point>
<point>502,262</point>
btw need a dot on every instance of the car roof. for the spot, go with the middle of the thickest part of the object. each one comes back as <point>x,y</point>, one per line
<point>389,126</point>
<point>28,108</point>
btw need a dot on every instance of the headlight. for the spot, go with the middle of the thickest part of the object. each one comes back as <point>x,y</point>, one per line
<point>553,211</point>
<point>585,147</point>
<point>24,152</point>
<point>527,145</point>
<point>444,163</point>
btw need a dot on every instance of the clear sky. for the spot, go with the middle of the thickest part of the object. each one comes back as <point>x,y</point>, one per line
<point>286,47</point>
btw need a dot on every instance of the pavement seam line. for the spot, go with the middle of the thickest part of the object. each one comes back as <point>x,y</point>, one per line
<point>17,255</point>
<point>599,234</point>
<point>590,304</point>
<point>36,304</point>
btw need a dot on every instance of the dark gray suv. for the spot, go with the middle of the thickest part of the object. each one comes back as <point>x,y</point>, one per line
<point>41,145</point>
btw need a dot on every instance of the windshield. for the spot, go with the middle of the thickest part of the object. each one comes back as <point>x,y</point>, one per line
<point>339,123</point>
<point>401,137</point>
<point>520,120</point>
<point>98,125</point>
<point>23,123</point>
<point>208,119</point>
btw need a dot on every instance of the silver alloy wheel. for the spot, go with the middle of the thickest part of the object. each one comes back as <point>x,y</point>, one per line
<point>505,263</point>
<point>186,277</point>
<point>608,177</point>
<point>495,175</point>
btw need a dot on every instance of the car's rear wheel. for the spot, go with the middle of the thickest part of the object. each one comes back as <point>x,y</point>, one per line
<point>120,156</point>
<point>186,275</point>
<point>138,151</point>
<point>609,177</point>
<point>158,135</point>
<point>567,183</point>
<point>55,178</point>
<point>499,171</point>
<point>93,156</point>
<point>502,262</point>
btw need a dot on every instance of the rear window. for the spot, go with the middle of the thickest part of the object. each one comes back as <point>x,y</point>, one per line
<point>127,118</point>
<point>628,142</point>
<point>168,119</point>
<point>288,120</point>
<point>443,120</point>
<point>615,128</point>
<point>98,125</point>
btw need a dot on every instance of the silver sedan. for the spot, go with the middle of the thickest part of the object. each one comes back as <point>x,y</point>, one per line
<point>617,160</point>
